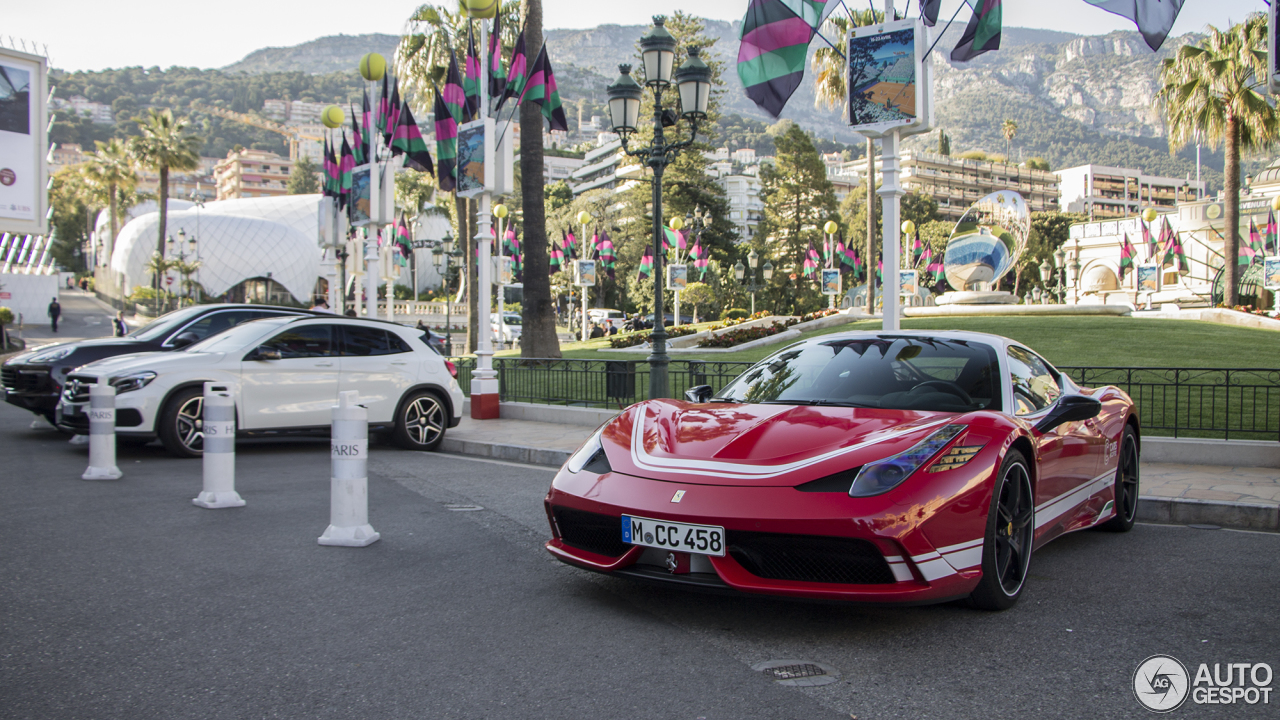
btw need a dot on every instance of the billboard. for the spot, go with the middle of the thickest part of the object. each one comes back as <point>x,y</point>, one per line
<point>887,80</point>
<point>475,147</point>
<point>23,142</point>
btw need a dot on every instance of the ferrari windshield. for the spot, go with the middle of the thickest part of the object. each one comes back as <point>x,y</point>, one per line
<point>889,371</point>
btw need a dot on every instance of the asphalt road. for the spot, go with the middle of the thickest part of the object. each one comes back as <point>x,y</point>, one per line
<point>121,599</point>
<point>83,316</point>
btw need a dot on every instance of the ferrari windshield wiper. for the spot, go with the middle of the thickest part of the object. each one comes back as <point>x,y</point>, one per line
<point>819,401</point>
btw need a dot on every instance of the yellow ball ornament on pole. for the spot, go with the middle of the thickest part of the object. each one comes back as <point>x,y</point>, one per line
<point>830,228</point>
<point>1275,203</point>
<point>332,117</point>
<point>1149,214</point>
<point>676,223</point>
<point>479,8</point>
<point>584,217</point>
<point>908,227</point>
<point>373,66</point>
<point>500,211</point>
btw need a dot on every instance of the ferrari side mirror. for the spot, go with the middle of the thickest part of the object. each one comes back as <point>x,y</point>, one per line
<point>698,393</point>
<point>1069,408</point>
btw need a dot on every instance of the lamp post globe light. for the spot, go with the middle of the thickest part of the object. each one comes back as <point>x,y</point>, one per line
<point>584,219</point>
<point>753,259</point>
<point>657,50</point>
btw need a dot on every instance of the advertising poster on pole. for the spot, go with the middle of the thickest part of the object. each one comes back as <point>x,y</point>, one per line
<point>1271,272</point>
<point>23,145</point>
<point>584,273</point>
<point>1149,278</point>
<point>475,148</point>
<point>677,277</point>
<point>887,79</point>
<point>909,282</point>
<point>830,282</point>
<point>502,271</point>
<point>361,196</point>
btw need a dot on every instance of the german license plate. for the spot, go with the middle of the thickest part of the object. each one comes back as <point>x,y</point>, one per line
<point>667,535</point>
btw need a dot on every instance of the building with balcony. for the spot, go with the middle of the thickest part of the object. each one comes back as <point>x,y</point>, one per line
<point>1110,193</point>
<point>252,173</point>
<point>746,207</point>
<point>957,183</point>
<point>602,168</point>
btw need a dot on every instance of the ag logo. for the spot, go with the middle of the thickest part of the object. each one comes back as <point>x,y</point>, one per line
<point>1160,683</point>
<point>8,177</point>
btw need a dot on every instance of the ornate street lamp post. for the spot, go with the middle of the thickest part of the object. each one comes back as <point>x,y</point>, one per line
<point>657,48</point>
<point>738,271</point>
<point>440,256</point>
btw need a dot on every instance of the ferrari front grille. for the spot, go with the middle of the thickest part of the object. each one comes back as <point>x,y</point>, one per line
<point>600,534</point>
<point>809,558</point>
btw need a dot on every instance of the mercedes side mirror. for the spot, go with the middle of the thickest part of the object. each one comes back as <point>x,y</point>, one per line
<point>698,393</point>
<point>185,339</point>
<point>1069,408</point>
<point>264,353</point>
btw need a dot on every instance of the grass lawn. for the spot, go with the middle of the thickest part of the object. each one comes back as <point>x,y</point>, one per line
<point>1078,341</point>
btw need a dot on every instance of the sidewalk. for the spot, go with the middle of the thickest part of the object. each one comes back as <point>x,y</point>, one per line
<point>1237,497</point>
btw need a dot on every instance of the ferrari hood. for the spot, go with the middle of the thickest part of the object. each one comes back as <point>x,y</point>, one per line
<point>757,444</point>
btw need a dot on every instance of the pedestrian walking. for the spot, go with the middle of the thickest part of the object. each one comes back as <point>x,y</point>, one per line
<point>118,326</point>
<point>55,311</point>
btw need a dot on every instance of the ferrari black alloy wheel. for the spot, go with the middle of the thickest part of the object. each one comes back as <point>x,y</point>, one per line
<point>420,424</point>
<point>181,423</point>
<point>1006,552</point>
<point>1126,484</point>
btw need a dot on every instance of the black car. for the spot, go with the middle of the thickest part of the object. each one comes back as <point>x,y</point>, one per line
<point>33,380</point>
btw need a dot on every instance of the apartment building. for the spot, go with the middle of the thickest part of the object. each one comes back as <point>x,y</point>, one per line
<point>252,173</point>
<point>957,183</point>
<point>1108,193</point>
<point>98,113</point>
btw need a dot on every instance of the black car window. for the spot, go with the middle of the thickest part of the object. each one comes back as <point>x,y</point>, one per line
<point>216,322</point>
<point>366,341</point>
<point>1034,386</point>
<point>304,341</point>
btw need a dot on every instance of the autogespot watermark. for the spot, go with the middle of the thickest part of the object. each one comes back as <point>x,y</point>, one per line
<point>1162,684</point>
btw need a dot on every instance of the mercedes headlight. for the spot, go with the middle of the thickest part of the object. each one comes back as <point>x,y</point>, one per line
<point>884,475</point>
<point>50,356</point>
<point>132,381</point>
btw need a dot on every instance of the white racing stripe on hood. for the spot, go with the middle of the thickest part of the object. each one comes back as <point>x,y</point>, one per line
<point>742,471</point>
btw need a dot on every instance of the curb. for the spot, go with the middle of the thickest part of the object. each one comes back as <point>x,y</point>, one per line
<point>1188,511</point>
<point>509,453</point>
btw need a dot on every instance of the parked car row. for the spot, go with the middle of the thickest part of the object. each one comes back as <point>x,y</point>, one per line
<point>288,367</point>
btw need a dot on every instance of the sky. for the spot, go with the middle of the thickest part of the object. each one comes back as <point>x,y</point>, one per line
<point>94,35</point>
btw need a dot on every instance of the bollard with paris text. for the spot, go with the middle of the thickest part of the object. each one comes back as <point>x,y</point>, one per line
<point>349,486</point>
<point>218,423</point>
<point>102,434</point>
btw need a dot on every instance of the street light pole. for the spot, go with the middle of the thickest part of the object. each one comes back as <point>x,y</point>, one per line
<point>657,48</point>
<point>753,259</point>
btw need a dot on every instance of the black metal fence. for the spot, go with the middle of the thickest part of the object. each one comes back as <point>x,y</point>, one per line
<point>1182,402</point>
<point>1196,402</point>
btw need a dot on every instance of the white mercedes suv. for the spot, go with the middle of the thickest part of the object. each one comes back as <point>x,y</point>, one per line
<point>288,372</point>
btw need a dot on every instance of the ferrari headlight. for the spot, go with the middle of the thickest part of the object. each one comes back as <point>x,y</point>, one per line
<point>132,381</point>
<point>884,475</point>
<point>585,453</point>
<point>51,356</point>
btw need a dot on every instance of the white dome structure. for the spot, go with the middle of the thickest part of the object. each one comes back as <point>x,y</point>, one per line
<point>236,240</point>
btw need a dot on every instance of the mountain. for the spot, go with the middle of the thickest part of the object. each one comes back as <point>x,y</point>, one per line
<point>335,53</point>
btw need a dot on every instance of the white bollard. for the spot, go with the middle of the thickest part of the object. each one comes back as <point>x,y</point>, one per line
<point>349,486</point>
<point>102,434</point>
<point>219,426</point>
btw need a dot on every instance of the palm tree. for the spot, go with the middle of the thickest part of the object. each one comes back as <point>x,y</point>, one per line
<point>164,145</point>
<point>113,173</point>
<point>1009,129</point>
<point>1212,88</point>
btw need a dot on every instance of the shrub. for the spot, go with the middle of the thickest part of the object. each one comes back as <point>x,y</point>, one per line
<point>6,316</point>
<point>735,314</point>
<point>743,335</point>
<point>626,340</point>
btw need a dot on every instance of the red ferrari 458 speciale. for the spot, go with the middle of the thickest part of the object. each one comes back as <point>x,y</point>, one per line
<point>904,467</point>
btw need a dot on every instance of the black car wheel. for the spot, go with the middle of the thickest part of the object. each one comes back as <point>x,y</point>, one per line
<point>1126,484</point>
<point>421,422</point>
<point>182,424</point>
<point>1006,552</point>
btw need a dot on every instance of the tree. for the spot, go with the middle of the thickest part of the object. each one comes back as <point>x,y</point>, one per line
<point>699,296</point>
<point>538,338</point>
<point>1049,231</point>
<point>302,178</point>
<point>113,172</point>
<point>72,200</point>
<point>1008,129</point>
<point>1211,90</point>
<point>164,145</point>
<point>1038,163</point>
<point>798,197</point>
<point>944,143</point>
<point>558,195</point>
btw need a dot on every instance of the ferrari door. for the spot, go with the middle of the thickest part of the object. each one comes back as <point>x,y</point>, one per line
<point>377,364</point>
<point>1067,457</point>
<point>298,390</point>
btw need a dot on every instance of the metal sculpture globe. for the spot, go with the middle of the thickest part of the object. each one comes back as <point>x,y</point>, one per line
<point>987,242</point>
